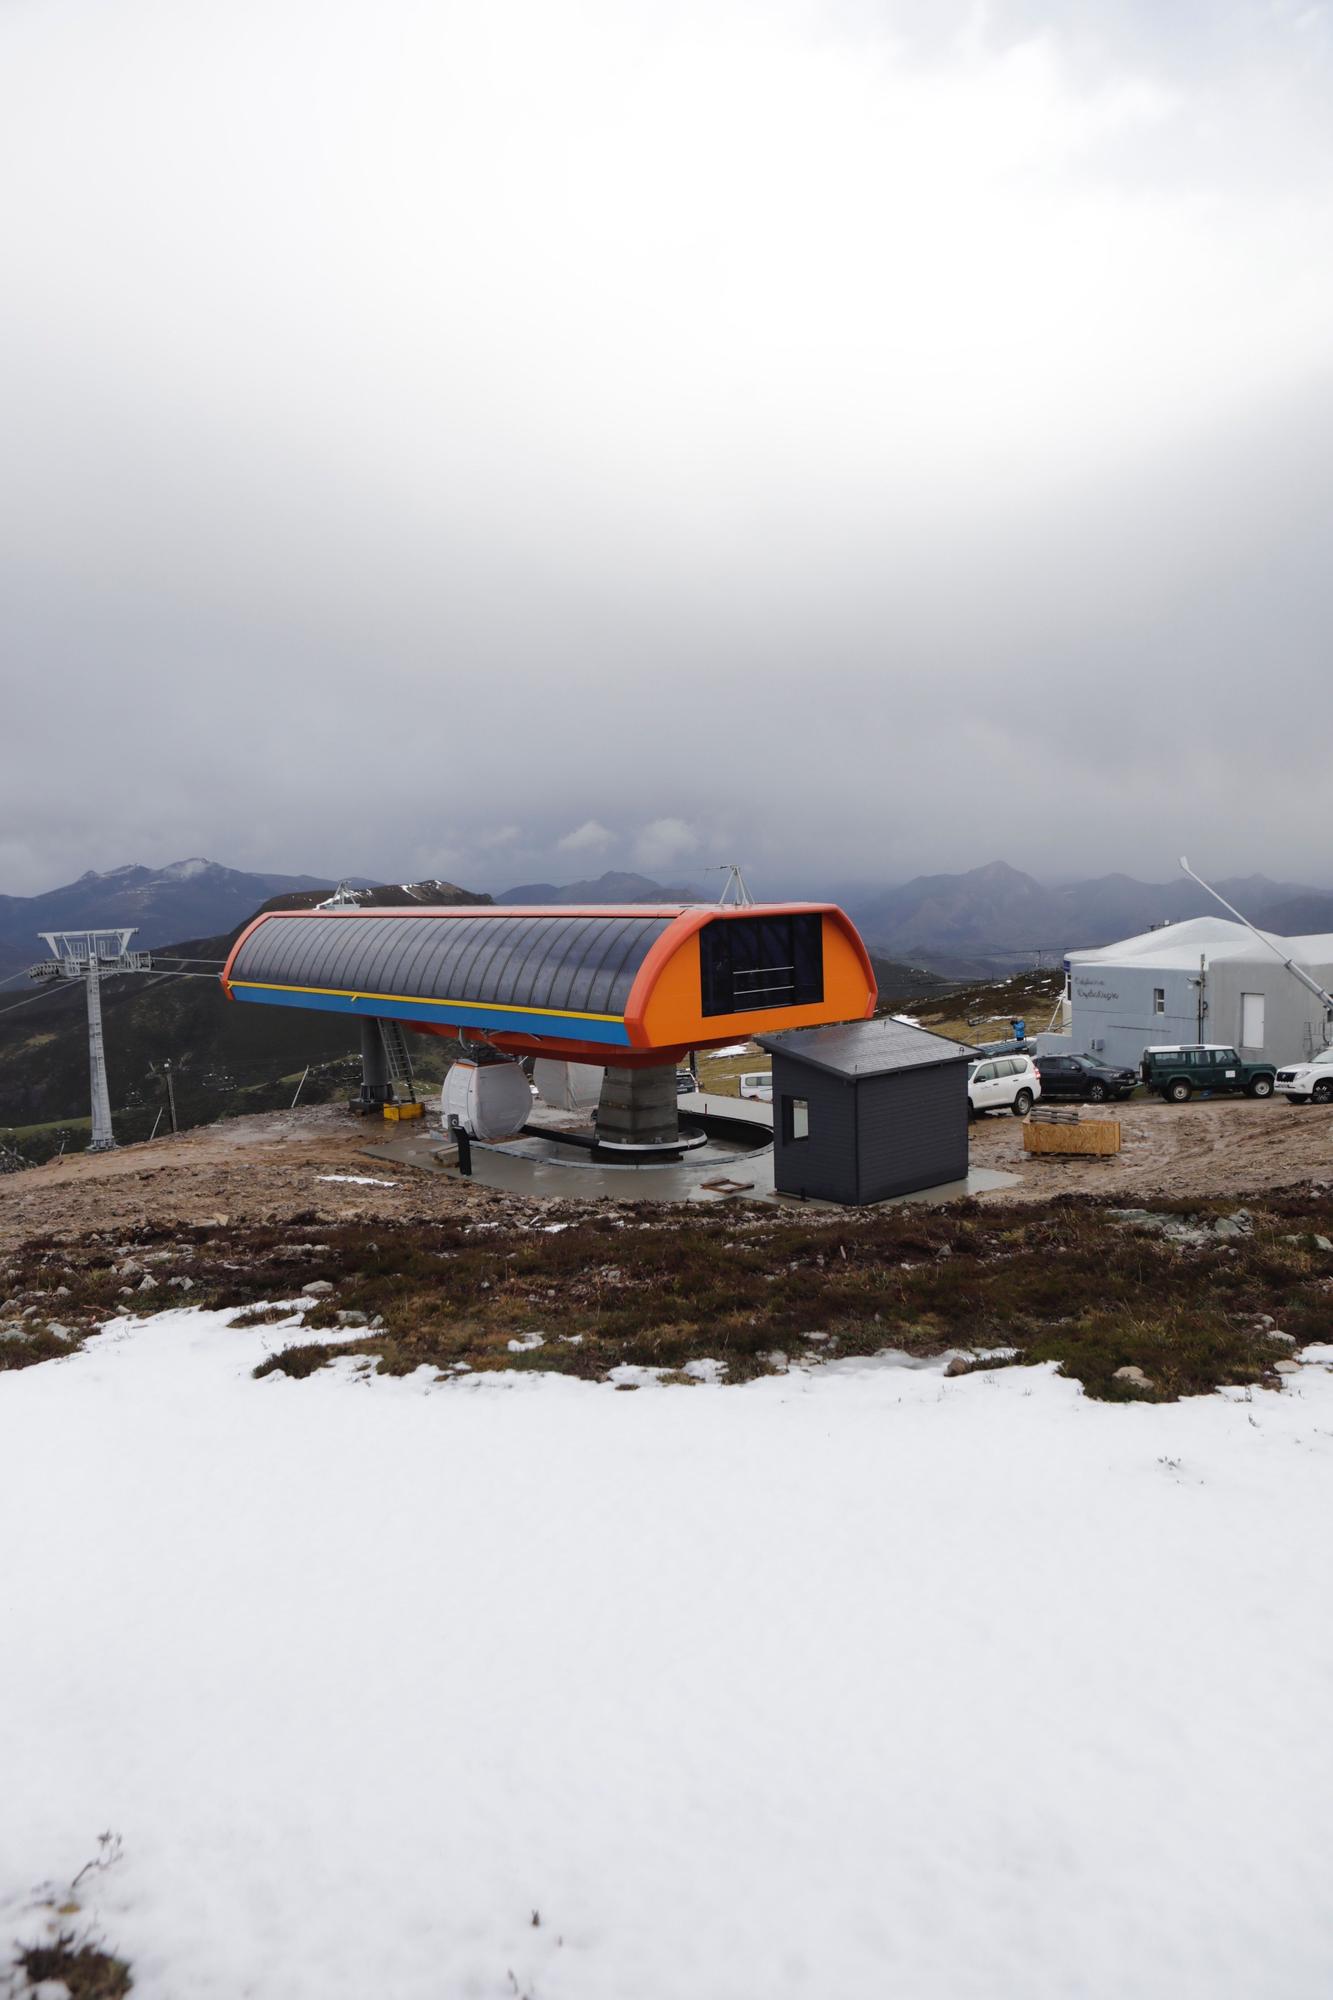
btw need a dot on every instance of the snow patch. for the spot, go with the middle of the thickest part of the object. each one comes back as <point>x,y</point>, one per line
<point>847,1681</point>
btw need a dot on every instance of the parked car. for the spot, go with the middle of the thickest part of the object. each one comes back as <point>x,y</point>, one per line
<point>758,1084</point>
<point>686,1082</point>
<point>1002,1083</point>
<point>1307,1082</point>
<point>1084,1077</point>
<point>1177,1070</point>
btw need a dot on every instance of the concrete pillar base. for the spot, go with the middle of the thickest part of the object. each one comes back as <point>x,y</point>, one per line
<point>637,1108</point>
<point>376,1083</point>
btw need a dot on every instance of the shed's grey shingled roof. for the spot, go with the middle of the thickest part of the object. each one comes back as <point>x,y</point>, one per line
<point>573,962</point>
<point>866,1048</point>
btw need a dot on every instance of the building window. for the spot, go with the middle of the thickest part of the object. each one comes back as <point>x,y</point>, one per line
<point>749,963</point>
<point>1159,999</point>
<point>797,1117</point>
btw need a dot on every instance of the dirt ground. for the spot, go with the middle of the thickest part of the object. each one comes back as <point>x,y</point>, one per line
<point>272,1167</point>
<point>258,1169</point>
<point>1226,1146</point>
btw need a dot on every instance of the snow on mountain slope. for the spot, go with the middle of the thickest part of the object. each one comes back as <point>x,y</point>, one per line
<point>854,1682</point>
<point>186,899</point>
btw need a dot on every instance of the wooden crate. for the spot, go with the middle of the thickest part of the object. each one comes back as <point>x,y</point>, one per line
<point>1093,1135</point>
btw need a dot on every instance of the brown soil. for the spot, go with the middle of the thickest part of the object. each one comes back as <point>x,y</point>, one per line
<point>268,1169</point>
<point>243,1170</point>
<point>1224,1147</point>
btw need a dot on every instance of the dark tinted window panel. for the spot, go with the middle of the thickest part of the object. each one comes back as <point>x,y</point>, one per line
<point>748,964</point>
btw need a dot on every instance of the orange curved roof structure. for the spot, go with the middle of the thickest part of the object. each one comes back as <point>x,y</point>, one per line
<point>620,984</point>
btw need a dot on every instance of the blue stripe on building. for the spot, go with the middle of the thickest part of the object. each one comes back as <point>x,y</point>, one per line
<point>495,1020</point>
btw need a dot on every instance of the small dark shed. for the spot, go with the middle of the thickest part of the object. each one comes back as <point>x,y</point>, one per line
<point>867,1110</point>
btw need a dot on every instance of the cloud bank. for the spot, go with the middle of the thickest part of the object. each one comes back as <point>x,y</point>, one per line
<point>849,439</point>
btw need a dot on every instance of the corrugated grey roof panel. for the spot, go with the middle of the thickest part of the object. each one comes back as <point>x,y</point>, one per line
<point>574,962</point>
<point>866,1048</point>
<point>602,962</point>
<point>507,973</point>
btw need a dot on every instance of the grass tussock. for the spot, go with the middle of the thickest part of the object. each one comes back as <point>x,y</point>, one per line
<point>88,1974</point>
<point>1071,1282</point>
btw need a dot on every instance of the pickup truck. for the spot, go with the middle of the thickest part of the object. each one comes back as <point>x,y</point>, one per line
<point>1177,1071</point>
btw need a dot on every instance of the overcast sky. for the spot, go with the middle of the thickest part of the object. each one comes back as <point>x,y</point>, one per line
<point>517,439</point>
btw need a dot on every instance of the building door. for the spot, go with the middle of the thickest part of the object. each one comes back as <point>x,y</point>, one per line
<point>1252,1020</point>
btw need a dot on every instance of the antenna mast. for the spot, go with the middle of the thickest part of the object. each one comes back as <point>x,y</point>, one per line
<point>89,955</point>
<point>734,892</point>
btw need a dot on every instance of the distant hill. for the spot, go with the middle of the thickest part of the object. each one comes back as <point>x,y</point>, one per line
<point>994,918</point>
<point>613,887</point>
<point>905,982</point>
<point>191,899</point>
<point>1298,916</point>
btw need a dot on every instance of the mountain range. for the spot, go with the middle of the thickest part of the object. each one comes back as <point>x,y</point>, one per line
<point>963,926</point>
<point>995,918</point>
<point>613,887</point>
<point>188,899</point>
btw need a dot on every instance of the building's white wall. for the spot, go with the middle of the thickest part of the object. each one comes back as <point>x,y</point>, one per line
<point>1293,1018</point>
<point>1113,1016</point>
<point>1112,1011</point>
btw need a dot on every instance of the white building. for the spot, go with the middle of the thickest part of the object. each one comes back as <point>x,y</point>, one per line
<point>1207,980</point>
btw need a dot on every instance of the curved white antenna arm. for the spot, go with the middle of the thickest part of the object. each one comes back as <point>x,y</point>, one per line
<point>1297,972</point>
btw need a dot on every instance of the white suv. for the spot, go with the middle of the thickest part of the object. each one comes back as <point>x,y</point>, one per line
<point>1003,1083</point>
<point>1307,1082</point>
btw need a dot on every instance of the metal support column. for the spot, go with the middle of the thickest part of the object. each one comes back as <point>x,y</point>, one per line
<point>103,1137</point>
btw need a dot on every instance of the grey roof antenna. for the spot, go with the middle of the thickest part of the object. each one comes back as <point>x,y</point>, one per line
<point>734,892</point>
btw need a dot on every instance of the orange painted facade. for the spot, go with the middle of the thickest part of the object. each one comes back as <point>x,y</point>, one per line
<point>665,1010</point>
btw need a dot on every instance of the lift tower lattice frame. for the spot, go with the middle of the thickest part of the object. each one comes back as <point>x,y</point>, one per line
<point>90,956</point>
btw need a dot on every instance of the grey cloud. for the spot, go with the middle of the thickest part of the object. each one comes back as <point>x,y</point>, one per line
<point>438,437</point>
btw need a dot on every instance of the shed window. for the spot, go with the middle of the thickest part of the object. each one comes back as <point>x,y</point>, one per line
<point>1159,999</point>
<point>797,1117</point>
<point>749,963</point>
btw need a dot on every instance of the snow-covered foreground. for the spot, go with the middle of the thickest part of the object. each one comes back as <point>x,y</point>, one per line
<point>860,1682</point>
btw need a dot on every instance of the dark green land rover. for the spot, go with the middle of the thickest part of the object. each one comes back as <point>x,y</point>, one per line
<point>1177,1072</point>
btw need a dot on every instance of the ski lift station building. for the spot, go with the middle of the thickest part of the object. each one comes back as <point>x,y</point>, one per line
<point>626,986</point>
<point>1206,980</point>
